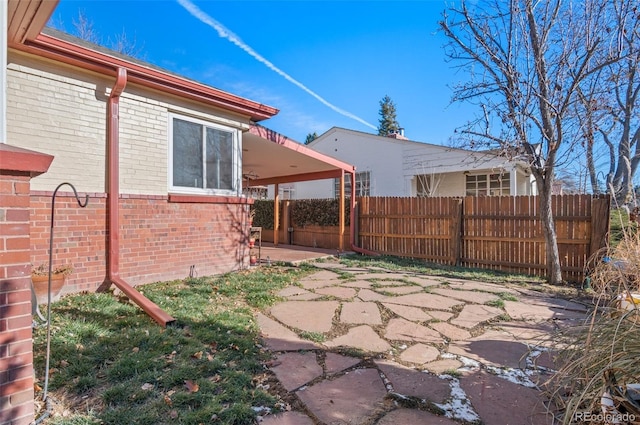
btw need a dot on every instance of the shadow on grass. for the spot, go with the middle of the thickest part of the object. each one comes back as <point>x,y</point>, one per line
<point>114,365</point>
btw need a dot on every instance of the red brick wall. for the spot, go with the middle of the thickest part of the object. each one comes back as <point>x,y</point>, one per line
<point>16,357</point>
<point>159,240</point>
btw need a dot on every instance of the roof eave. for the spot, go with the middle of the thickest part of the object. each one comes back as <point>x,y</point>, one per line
<point>72,54</point>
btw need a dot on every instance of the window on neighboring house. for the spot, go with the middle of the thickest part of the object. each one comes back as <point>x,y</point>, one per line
<point>286,192</point>
<point>495,184</point>
<point>363,185</point>
<point>425,185</point>
<point>204,157</point>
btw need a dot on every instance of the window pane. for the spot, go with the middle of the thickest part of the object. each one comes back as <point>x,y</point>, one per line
<point>219,159</point>
<point>187,154</point>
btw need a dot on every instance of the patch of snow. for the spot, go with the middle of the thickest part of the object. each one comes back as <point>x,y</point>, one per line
<point>517,376</point>
<point>458,406</point>
<point>468,364</point>
<point>261,409</point>
<point>534,353</point>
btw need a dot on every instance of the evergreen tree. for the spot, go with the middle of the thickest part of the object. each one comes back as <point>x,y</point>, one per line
<point>388,122</point>
<point>310,138</point>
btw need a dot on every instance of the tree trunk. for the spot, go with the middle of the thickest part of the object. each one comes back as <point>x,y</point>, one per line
<point>554,272</point>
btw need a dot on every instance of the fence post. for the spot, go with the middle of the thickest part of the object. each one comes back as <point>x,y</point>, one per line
<point>600,211</point>
<point>456,232</point>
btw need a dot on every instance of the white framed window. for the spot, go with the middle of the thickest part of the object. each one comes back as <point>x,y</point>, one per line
<point>203,157</point>
<point>363,185</point>
<point>494,184</point>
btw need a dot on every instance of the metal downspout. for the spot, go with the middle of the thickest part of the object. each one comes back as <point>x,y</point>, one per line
<point>113,206</point>
<point>352,222</point>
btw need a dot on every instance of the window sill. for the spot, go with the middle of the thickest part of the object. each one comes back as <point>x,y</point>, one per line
<point>208,199</point>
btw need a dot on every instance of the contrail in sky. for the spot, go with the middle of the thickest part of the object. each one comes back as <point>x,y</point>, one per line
<point>224,32</point>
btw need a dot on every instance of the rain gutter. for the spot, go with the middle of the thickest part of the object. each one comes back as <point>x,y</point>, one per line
<point>113,206</point>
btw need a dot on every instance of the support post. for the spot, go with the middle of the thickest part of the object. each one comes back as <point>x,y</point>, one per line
<point>341,212</point>
<point>276,214</point>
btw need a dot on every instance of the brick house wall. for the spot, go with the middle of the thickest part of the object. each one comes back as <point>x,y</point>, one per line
<point>159,240</point>
<point>61,110</point>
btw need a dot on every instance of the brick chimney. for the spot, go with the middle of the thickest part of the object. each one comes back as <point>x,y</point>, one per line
<point>399,134</point>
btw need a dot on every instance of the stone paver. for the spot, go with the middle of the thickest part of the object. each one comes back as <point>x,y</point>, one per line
<point>404,330</point>
<point>391,275</point>
<point>278,338</point>
<point>358,284</point>
<point>349,399</point>
<point>388,283</point>
<point>451,332</point>
<point>472,285</point>
<point>493,348</point>
<point>412,416</point>
<point>292,290</point>
<point>344,393</point>
<point>419,354</point>
<point>315,284</point>
<point>533,333</point>
<point>442,316</point>
<point>321,275</point>
<point>519,310</point>
<point>500,402</point>
<point>472,315</point>
<point>400,290</point>
<point>305,297</point>
<point>311,316</point>
<point>287,418</point>
<point>414,383</point>
<point>369,295</point>
<point>410,313</point>
<point>469,296</point>
<point>360,313</point>
<point>362,337</point>
<point>440,366</point>
<point>556,303</point>
<point>424,300</point>
<point>334,363</point>
<point>425,282</point>
<point>338,292</point>
<point>296,369</point>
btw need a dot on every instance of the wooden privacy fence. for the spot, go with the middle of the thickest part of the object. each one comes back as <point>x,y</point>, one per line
<point>498,233</point>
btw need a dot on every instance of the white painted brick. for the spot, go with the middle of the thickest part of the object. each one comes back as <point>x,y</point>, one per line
<point>56,110</point>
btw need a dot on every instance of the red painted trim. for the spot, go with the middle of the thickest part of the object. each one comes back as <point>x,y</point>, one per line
<point>113,175</point>
<point>275,137</point>
<point>63,51</point>
<point>206,199</point>
<point>13,158</point>
<point>319,175</point>
<point>149,307</point>
<point>113,206</point>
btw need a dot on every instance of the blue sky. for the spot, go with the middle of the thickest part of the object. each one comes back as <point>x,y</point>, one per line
<point>350,54</point>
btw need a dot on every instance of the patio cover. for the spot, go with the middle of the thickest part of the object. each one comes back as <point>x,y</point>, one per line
<point>271,158</point>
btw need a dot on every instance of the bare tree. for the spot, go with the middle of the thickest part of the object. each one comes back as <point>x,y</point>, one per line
<point>83,28</point>
<point>526,60</point>
<point>610,108</point>
<point>125,45</point>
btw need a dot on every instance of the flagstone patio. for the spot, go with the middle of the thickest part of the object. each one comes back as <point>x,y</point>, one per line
<point>437,351</point>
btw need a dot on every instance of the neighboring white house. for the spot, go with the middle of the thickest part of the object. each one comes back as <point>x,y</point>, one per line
<point>396,166</point>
